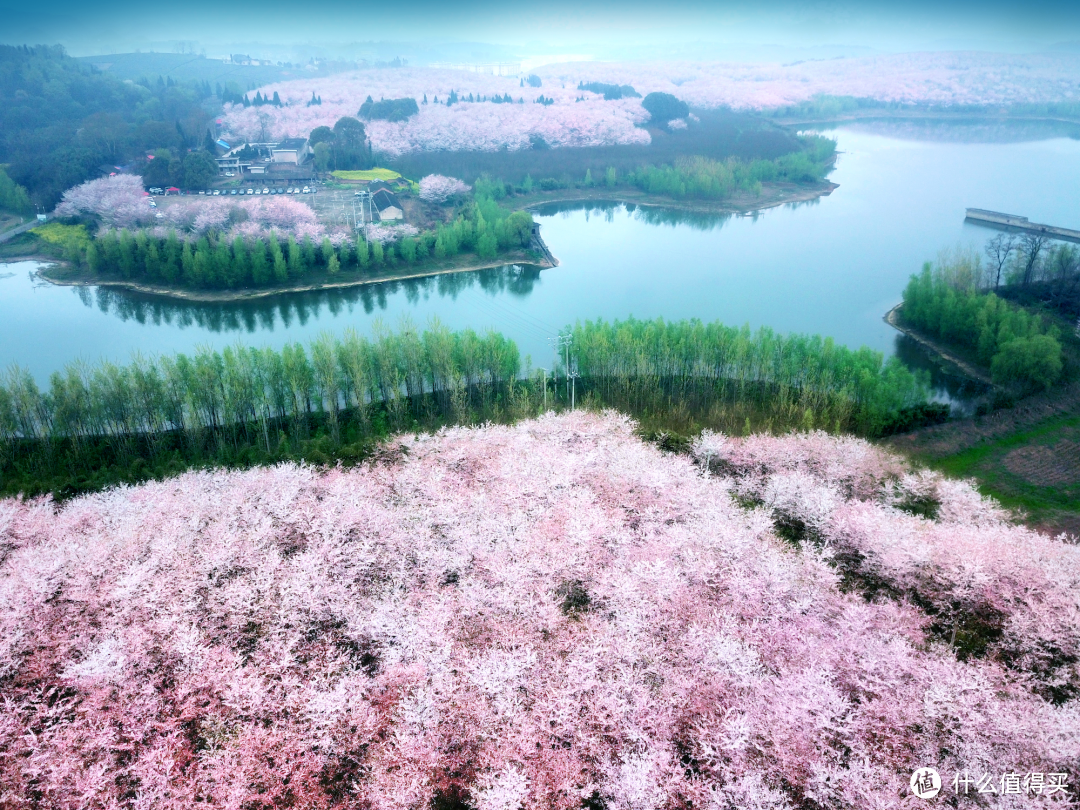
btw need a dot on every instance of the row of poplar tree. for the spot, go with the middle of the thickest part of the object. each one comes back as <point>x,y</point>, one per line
<point>94,424</point>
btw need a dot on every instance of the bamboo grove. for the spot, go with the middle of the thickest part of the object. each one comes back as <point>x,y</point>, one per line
<point>98,424</point>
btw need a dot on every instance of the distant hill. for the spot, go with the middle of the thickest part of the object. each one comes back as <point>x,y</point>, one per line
<point>183,67</point>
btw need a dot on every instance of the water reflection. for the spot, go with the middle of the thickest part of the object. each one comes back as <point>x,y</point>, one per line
<point>266,314</point>
<point>648,214</point>
<point>973,130</point>
<point>962,393</point>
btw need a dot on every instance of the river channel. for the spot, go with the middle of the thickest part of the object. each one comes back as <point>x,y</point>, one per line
<point>831,266</point>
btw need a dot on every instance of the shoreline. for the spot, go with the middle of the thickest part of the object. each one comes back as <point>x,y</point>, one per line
<point>966,369</point>
<point>871,114</point>
<point>781,194</point>
<point>231,296</point>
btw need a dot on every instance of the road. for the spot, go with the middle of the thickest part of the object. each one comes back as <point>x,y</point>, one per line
<point>19,229</point>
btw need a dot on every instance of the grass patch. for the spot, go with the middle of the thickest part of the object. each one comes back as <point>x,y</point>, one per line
<point>367,174</point>
<point>1015,482</point>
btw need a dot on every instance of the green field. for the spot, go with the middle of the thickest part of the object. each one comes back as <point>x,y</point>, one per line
<point>367,174</point>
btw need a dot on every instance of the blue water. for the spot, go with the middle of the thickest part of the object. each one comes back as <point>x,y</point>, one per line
<point>832,266</point>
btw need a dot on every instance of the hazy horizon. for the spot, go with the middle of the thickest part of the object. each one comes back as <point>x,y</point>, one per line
<point>633,30</point>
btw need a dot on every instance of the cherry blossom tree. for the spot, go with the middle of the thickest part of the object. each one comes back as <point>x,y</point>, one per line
<point>548,615</point>
<point>118,201</point>
<point>583,118</point>
<point>438,189</point>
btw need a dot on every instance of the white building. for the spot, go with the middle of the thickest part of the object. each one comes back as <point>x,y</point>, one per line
<point>290,150</point>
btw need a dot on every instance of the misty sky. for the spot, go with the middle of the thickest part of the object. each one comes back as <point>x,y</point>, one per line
<point>603,30</point>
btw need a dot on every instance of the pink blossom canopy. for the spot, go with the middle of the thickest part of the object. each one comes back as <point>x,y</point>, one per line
<point>437,188</point>
<point>119,201</point>
<point>536,616</point>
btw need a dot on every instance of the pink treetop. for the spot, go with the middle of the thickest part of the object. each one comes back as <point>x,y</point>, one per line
<point>388,233</point>
<point>119,201</point>
<point>524,617</point>
<point>438,189</point>
<point>582,118</point>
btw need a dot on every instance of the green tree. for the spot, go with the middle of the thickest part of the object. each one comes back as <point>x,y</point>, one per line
<point>127,254</point>
<point>351,149</point>
<point>323,154</point>
<point>260,270</point>
<point>200,169</point>
<point>13,197</point>
<point>321,135</point>
<point>296,259</point>
<point>1034,361</point>
<point>487,246</point>
<point>664,107</point>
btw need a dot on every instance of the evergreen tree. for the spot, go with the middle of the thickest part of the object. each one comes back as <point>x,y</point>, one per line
<point>127,254</point>
<point>363,254</point>
<point>241,264</point>
<point>347,256</point>
<point>327,251</point>
<point>281,268</point>
<point>296,259</point>
<point>171,269</point>
<point>377,254</point>
<point>153,266</point>
<point>204,264</point>
<point>187,264</point>
<point>260,270</point>
<point>93,259</point>
<point>222,265</point>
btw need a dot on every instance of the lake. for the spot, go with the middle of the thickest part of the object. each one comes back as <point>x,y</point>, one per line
<point>832,266</point>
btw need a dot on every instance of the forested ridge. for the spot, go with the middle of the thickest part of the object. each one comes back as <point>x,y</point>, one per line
<point>61,119</point>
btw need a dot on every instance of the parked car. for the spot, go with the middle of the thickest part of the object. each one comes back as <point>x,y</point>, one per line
<point>306,190</point>
<point>202,192</point>
<point>281,191</point>
<point>266,191</point>
<point>251,191</point>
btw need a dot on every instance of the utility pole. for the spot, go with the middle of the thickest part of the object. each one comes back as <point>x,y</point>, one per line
<point>563,342</point>
<point>545,388</point>
<point>573,387</point>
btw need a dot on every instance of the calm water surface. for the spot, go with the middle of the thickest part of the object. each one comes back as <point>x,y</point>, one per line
<point>833,266</point>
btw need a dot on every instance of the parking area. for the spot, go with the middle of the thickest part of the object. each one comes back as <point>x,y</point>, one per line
<point>334,208</point>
